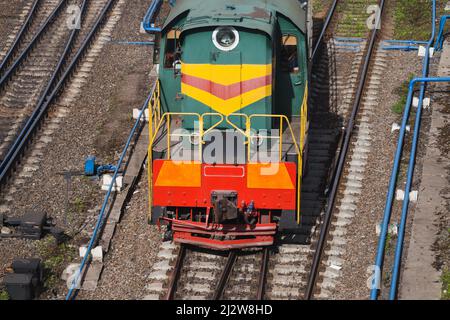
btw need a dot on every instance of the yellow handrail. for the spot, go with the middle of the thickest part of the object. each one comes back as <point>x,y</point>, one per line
<point>247,124</point>
<point>303,124</point>
<point>282,118</point>
<point>157,119</point>
<point>204,133</point>
<point>154,116</point>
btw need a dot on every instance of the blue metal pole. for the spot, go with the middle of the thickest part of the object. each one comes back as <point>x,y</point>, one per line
<point>100,218</point>
<point>404,216</point>
<point>440,38</point>
<point>406,48</point>
<point>398,156</point>
<point>137,43</point>
<point>150,16</point>
<point>406,41</point>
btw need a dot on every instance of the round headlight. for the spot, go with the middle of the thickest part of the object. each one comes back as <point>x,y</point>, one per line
<point>226,38</point>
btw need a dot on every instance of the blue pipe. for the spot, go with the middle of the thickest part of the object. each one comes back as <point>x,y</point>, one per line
<point>100,218</point>
<point>402,227</point>
<point>343,44</point>
<point>150,17</point>
<point>440,38</point>
<point>138,43</point>
<point>398,156</point>
<point>349,39</point>
<point>406,41</point>
<point>406,48</point>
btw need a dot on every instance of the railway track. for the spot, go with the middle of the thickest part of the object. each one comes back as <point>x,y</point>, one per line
<point>33,17</point>
<point>33,83</point>
<point>347,182</point>
<point>203,274</point>
<point>28,66</point>
<point>244,276</point>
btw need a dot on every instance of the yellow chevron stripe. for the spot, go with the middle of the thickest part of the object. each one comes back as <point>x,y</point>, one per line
<point>226,107</point>
<point>227,74</point>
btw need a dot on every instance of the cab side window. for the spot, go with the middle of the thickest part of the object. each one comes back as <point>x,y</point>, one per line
<point>172,49</point>
<point>289,54</point>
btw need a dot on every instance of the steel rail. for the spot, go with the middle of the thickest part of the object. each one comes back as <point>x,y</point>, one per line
<point>341,163</point>
<point>33,122</point>
<point>218,293</point>
<point>319,41</point>
<point>19,36</point>
<point>149,19</point>
<point>53,15</point>
<point>263,274</point>
<point>176,273</point>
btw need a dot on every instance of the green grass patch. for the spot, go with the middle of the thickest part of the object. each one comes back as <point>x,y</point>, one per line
<point>387,245</point>
<point>4,295</point>
<point>317,6</point>
<point>402,92</point>
<point>399,106</point>
<point>55,258</point>
<point>412,19</point>
<point>445,284</point>
<point>78,205</point>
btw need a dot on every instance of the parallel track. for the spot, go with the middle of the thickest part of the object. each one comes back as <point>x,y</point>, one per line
<point>28,79</point>
<point>45,65</point>
<point>34,22</point>
<point>345,149</point>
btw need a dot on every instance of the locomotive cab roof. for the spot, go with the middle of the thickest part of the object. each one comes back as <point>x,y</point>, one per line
<point>251,14</point>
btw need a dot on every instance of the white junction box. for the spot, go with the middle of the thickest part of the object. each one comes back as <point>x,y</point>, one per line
<point>107,180</point>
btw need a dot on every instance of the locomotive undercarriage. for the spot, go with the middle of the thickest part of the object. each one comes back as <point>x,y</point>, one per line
<point>224,226</point>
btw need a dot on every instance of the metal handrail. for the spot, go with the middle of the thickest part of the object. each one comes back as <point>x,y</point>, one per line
<point>247,124</point>
<point>166,119</point>
<point>282,118</point>
<point>204,133</point>
<point>153,135</point>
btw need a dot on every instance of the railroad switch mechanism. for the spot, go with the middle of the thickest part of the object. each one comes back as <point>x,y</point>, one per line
<point>33,225</point>
<point>92,169</point>
<point>24,281</point>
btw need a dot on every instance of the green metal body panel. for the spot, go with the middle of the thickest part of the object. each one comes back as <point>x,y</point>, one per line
<point>253,14</point>
<point>260,25</point>
<point>290,87</point>
<point>198,49</point>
